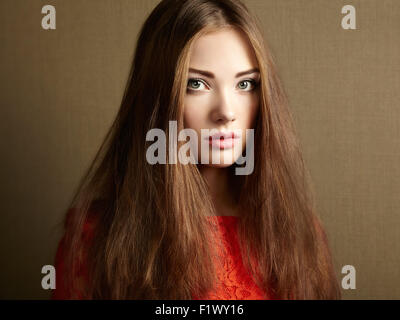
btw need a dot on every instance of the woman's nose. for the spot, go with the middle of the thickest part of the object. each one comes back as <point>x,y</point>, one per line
<point>224,109</point>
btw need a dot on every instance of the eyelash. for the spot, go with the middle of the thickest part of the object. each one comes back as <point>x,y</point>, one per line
<point>251,81</point>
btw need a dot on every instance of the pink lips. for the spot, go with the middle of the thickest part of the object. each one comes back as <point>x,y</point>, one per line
<point>223,140</point>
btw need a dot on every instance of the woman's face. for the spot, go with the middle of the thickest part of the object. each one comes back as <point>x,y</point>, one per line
<point>222,93</point>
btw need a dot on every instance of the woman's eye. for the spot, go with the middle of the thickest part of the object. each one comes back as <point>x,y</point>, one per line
<point>247,85</point>
<point>195,84</point>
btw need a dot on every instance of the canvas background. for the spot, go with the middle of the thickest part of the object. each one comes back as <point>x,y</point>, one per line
<point>60,90</point>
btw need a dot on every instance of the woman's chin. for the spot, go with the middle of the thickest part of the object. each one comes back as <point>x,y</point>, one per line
<point>223,163</point>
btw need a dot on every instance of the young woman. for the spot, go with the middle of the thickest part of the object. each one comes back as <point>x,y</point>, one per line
<point>141,230</point>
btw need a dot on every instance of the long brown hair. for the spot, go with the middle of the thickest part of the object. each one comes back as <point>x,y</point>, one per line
<point>151,238</point>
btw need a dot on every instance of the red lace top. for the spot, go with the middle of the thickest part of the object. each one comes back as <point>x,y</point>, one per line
<point>237,284</point>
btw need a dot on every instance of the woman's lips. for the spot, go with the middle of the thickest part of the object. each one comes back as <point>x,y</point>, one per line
<point>223,140</point>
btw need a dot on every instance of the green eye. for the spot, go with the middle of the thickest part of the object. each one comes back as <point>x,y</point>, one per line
<point>243,85</point>
<point>247,85</point>
<point>195,84</point>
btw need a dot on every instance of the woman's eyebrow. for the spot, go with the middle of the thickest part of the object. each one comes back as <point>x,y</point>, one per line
<point>211,75</point>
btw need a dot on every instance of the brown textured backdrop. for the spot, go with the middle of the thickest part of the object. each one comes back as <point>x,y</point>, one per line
<point>60,90</point>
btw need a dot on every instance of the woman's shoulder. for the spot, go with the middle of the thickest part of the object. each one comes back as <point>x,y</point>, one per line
<point>91,217</point>
<point>87,233</point>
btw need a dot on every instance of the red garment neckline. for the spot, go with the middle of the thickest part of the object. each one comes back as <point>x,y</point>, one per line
<point>225,221</point>
<point>224,216</point>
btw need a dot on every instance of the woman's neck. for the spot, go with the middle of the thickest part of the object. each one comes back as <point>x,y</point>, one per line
<point>221,192</point>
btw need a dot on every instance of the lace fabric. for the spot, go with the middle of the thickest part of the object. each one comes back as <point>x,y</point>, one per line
<point>236,282</point>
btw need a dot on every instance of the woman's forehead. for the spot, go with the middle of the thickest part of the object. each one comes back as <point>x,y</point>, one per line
<point>225,50</point>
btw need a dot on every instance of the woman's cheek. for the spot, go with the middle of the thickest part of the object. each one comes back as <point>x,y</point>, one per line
<point>190,117</point>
